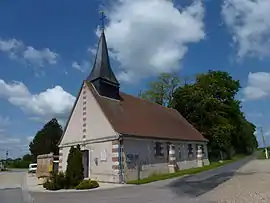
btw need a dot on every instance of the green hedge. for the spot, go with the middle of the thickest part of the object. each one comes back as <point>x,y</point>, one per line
<point>59,181</point>
<point>87,184</point>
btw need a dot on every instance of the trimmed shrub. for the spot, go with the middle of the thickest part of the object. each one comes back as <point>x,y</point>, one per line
<point>56,182</point>
<point>74,172</point>
<point>87,184</point>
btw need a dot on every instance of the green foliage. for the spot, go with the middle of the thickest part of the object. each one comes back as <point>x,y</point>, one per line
<point>28,157</point>
<point>74,172</point>
<point>19,163</point>
<point>56,182</point>
<point>210,105</point>
<point>59,181</point>
<point>87,184</point>
<point>161,91</point>
<point>46,139</point>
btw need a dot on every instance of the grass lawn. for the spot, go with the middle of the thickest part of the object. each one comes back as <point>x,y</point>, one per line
<point>157,177</point>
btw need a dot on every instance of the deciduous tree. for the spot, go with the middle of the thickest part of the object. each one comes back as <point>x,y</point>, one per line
<point>210,105</point>
<point>46,139</point>
<point>161,91</point>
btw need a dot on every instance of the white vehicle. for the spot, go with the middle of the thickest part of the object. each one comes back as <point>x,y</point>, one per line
<point>32,168</point>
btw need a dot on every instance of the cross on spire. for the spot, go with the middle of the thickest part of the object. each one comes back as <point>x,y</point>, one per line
<point>103,17</point>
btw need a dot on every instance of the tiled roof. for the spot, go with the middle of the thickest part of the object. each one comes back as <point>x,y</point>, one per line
<point>137,117</point>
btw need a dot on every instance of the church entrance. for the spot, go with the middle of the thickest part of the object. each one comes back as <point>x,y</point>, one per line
<point>85,161</point>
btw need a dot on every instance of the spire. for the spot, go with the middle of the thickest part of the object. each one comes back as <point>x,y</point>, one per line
<point>102,67</point>
<point>102,75</point>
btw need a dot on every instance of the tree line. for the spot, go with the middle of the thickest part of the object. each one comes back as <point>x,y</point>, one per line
<point>45,141</point>
<point>209,103</point>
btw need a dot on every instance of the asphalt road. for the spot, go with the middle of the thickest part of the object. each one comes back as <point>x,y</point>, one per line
<point>187,190</point>
<point>11,187</point>
<point>13,195</point>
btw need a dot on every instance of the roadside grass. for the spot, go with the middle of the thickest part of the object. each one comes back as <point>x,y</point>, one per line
<point>157,177</point>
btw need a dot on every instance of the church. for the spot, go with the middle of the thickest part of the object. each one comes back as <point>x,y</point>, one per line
<point>120,134</point>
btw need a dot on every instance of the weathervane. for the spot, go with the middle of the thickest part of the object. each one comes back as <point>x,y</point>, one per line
<point>103,17</point>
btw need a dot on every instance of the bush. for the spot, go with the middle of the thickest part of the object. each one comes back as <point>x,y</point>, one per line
<point>87,184</point>
<point>56,182</point>
<point>74,172</point>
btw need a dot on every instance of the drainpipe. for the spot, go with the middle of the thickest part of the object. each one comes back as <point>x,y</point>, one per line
<point>120,159</point>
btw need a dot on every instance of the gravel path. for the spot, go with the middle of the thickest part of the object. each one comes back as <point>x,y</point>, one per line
<point>249,184</point>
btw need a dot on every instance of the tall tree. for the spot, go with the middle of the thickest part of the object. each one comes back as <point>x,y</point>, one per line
<point>210,105</point>
<point>46,139</point>
<point>161,91</point>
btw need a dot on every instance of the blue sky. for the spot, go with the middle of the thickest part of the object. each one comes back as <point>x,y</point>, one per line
<point>46,50</point>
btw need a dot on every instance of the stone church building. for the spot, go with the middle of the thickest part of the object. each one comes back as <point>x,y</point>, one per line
<point>117,132</point>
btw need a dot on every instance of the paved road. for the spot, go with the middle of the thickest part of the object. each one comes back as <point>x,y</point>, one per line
<point>13,195</point>
<point>187,190</point>
<point>10,187</point>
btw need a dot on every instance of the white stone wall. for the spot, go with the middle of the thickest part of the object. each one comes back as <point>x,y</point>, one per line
<point>152,164</point>
<point>100,161</point>
<point>87,121</point>
<point>88,124</point>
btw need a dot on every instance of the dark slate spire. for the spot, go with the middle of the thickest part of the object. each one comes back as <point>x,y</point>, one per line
<point>102,76</point>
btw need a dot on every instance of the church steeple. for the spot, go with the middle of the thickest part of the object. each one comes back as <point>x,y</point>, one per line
<point>102,76</point>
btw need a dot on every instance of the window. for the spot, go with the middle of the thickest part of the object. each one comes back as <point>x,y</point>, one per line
<point>84,125</point>
<point>84,113</point>
<point>84,97</point>
<point>190,150</point>
<point>84,108</point>
<point>203,154</point>
<point>103,156</point>
<point>84,102</point>
<point>179,153</point>
<point>158,149</point>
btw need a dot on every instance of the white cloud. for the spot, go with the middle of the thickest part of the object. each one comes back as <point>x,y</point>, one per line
<point>40,57</point>
<point>249,24</point>
<point>53,102</point>
<point>83,66</point>
<point>16,146</point>
<point>18,50</point>
<point>258,86</point>
<point>10,45</point>
<point>9,140</point>
<point>150,37</point>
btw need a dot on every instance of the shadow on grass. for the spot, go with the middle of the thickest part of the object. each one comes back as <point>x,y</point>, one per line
<point>198,184</point>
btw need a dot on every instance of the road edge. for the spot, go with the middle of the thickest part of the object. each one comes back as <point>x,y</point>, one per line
<point>27,198</point>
